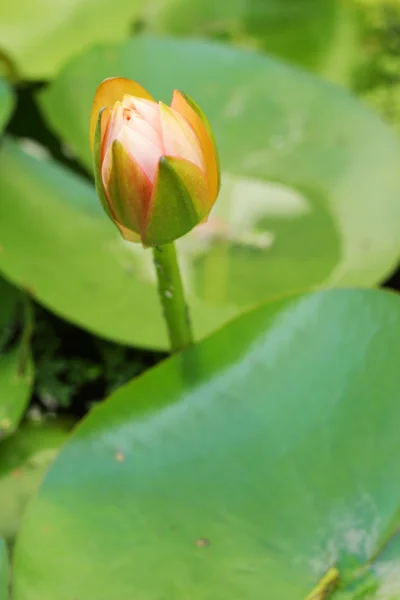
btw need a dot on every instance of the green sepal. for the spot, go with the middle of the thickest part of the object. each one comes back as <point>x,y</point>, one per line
<point>179,201</point>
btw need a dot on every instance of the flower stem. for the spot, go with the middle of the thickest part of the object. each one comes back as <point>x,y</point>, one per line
<point>172,296</point>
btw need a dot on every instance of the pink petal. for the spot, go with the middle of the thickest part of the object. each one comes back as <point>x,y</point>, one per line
<point>142,149</point>
<point>137,123</point>
<point>114,126</point>
<point>150,111</point>
<point>180,139</point>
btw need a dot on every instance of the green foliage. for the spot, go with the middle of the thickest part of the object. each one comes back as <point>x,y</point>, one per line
<point>377,76</point>
<point>74,368</point>
<point>59,377</point>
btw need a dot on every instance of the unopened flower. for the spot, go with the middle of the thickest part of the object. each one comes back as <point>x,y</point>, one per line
<point>156,166</point>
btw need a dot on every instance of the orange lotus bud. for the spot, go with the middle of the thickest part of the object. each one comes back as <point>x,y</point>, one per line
<point>156,166</point>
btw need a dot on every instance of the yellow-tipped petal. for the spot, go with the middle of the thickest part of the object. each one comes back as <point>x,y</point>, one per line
<point>105,119</point>
<point>97,164</point>
<point>193,113</point>
<point>108,93</point>
<point>178,136</point>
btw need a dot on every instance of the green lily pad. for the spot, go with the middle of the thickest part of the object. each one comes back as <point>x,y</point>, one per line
<point>39,36</point>
<point>24,459</point>
<point>6,103</point>
<point>246,467</point>
<point>298,206</point>
<point>3,571</point>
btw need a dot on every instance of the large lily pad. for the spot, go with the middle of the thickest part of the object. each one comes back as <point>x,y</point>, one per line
<point>256,460</point>
<point>298,206</point>
<point>39,36</point>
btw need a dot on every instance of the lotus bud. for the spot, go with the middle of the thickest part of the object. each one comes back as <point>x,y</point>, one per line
<point>156,166</point>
